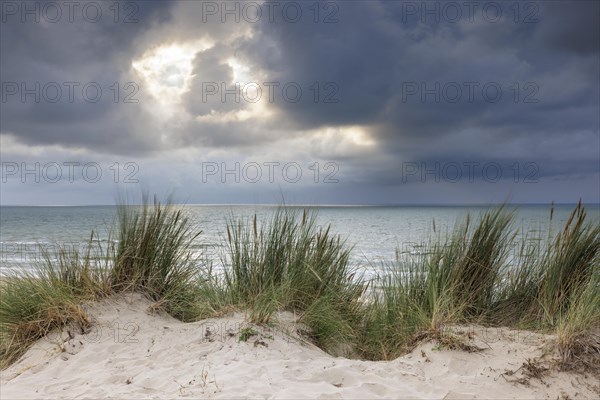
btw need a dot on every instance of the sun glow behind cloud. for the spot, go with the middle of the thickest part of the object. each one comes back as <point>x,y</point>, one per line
<point>167,70</point>
<point>341,141</point>
<point>354,135</point>
<point>253,98</point>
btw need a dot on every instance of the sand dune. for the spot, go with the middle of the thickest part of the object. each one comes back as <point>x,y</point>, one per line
<point>132,352</point>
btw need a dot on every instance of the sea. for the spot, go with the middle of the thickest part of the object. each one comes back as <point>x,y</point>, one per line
<point>378,235</point>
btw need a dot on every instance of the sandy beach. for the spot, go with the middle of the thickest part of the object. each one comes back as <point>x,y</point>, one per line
<point>133,352</point>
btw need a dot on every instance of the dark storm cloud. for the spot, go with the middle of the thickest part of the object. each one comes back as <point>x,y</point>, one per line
<point>62,58</point>
<point>385,67</point>
<point>370,53</point>
<point>210,72</point>
<point>369,67</point>
<point>358,54</point>
<point>571,27</point>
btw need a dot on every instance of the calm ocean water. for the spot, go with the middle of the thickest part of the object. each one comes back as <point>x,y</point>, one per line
<point>375,232</point>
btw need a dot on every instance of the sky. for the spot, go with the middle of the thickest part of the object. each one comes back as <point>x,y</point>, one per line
<point>328,102</point>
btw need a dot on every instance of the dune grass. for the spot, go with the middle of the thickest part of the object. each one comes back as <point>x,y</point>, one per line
<point>152,257</point>
<point>33,303</point>
<point>578,329</point>
<point>454,281</point>
<point>569,264</point>
<point>470,278</point>
<point>289,263</point>
<point>569,295</point>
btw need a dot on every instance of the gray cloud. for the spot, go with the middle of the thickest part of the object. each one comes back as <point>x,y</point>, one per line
<point>370,63</point>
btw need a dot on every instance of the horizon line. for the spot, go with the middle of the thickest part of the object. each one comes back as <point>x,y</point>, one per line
<point>317,205</point>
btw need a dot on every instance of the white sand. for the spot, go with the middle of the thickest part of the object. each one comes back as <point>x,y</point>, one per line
<point>132,353</point>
